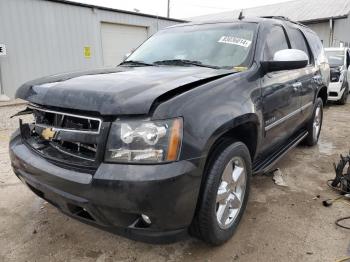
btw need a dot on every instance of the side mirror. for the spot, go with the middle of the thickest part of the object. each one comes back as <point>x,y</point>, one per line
<point>286,59</point>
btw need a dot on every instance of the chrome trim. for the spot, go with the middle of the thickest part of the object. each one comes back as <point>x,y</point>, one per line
<point>306,106</point>
<point>69,130</point>
<point>281,120</point>
<point>31,106</point>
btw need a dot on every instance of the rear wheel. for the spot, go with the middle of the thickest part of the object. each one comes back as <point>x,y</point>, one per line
<point>225,194</point>
<point>315,124</point>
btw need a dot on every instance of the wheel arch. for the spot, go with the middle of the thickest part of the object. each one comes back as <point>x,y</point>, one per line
<point>323,94</point>
<point>244,128</point>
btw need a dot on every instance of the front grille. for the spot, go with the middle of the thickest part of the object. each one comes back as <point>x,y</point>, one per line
<point>65,121</point>
<point>66,137</point>
<point>333,94</point>
<point>76,149</point>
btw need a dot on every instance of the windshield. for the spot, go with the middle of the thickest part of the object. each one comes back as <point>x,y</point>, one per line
<point>223,45</point>
<point>335,58</point>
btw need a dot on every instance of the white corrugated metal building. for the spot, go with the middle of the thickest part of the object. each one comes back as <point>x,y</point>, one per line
<point>44,37</point>
<point>328,18</point>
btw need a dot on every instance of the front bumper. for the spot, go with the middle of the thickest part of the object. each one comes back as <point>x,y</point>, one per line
<point>335,91</point>
<point>115,196</point>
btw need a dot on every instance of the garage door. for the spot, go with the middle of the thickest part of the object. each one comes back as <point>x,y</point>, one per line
<point>118,40</point>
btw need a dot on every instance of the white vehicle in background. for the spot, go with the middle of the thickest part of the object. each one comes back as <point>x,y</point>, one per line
<point>339,62</point>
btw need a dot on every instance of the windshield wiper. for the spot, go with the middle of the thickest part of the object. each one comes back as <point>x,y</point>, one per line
<point>183,62</point>
<point>135,62</point>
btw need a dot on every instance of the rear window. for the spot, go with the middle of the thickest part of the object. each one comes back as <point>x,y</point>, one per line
<point>316,47</point>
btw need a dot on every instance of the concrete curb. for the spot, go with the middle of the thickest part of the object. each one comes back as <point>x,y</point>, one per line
<point>14,102</point>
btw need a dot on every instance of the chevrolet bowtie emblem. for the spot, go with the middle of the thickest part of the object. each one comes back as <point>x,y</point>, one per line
<point>48,134</point>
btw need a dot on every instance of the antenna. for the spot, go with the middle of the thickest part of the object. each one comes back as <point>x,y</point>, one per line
<point>241,16</point>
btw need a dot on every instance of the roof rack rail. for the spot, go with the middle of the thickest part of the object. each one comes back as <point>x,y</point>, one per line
<point>284,18</point>
<point>276,17</point>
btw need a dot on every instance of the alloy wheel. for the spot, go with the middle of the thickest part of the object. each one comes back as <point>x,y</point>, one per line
<point>317,122</point>
<point>230,193</point>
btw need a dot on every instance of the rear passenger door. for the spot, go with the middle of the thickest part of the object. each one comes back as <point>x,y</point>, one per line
<point>308,77</point>
<point>280,94</point>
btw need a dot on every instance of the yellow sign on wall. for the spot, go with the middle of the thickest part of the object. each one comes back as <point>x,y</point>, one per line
<point>87,51</point>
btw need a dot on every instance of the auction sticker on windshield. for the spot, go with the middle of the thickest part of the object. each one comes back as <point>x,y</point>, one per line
<point>235,41</point>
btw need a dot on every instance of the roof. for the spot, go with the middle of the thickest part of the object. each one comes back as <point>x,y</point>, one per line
<point>115,10</point>
<point>299,10</point>
<point>234,20</point>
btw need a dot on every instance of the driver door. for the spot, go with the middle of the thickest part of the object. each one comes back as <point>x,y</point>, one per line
<point>281,95</point>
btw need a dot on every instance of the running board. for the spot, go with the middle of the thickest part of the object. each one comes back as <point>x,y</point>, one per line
<point>264,166</point>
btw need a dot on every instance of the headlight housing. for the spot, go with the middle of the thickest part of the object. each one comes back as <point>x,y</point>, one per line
<point>137,141</point>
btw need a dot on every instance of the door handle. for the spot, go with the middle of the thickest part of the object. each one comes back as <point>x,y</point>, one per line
<point>296,86</point>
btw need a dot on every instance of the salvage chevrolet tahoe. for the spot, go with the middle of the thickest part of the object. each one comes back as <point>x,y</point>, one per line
<point>166,143</point>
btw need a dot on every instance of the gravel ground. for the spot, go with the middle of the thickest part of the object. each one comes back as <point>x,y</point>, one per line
<point>281,223</point>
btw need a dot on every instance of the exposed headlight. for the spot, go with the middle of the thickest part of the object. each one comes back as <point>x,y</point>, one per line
<point>144,141</point>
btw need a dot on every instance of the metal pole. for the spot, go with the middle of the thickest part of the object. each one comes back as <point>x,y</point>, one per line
<point>2,92</point>
<point>331,35</point>
<point>3,97</point>
<point>168,13</point>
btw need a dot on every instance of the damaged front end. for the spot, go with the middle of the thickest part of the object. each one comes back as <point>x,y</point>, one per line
<point>65,138</point>
<point>338,83</point>
<point>60,157</point>
<point>124,91</point>
<point>335,74</point>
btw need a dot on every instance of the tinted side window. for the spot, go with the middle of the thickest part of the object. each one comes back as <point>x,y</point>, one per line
<point>297,41</point>
<point>275,41</point>
<point>316,47</point>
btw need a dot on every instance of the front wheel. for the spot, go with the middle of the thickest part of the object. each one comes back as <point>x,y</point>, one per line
<point>225,194</point>
<point>315,124</point>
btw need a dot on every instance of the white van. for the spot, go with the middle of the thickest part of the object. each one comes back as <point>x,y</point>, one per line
<point>339,61</point>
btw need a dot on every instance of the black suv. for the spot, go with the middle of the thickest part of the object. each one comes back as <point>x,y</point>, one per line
<point>166,143</point>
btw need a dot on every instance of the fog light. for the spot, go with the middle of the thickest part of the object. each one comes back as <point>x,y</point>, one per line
<point>146,219</point>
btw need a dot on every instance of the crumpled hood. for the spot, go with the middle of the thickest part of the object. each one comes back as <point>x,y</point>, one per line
<point>121,90</point>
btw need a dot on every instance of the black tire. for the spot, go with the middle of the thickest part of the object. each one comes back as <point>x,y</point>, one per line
<point>206,223</point>
<point>312,137</point>
<point>344,97</point>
